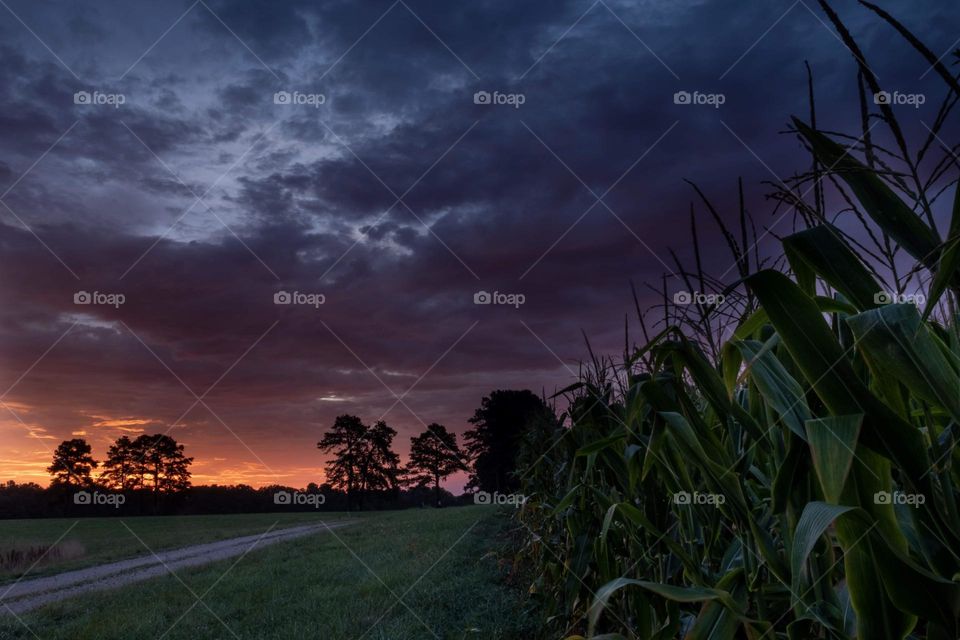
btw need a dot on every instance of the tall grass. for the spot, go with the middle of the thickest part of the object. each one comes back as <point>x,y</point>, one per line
<point>792,477</point>
<point>18,558</point>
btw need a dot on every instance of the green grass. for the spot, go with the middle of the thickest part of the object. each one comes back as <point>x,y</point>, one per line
<point>324,586</point>
<point>108,539</point>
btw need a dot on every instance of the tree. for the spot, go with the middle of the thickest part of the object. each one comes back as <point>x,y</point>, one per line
<point>72,463</point>
<point>344,441</point>
<point>363,459</point>
<point>120,467</point>
<point>161,458</point>
<point>380,464</point>
<point>434,455</point>
<point>493,443</point>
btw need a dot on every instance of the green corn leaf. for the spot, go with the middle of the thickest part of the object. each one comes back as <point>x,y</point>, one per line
<point>894,341</point>
<point>677,594</point>
<point>878,200</point>
<point>637,518</point>
<point>567,500</point>
<point>730,361</point>
<point>814,521</point>
<point>824,363</point>
<point>669,592</point>
<point>752,325</point>
<point>720,619</point>
<point>832,443</point>
<point>877,619</point>
<point>921,593</point>
<point>711,385</point>
<point>805,276</point>
<point>778,388</point>
<point>949,267</point>
<point>603,443</point>
<point>826,253</point>
<point>723,479</point>
<point>784,482</point>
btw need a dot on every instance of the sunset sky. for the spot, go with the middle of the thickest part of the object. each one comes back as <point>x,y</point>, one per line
<point>398,198</point>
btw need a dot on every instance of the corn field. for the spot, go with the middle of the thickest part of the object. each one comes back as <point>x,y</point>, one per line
<point>793,477</point>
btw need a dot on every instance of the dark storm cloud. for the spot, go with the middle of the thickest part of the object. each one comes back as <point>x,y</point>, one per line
<point>303,198</point>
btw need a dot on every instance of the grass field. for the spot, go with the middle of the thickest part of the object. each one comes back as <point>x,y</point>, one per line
<point>396,575</point>
<point>98,540</point>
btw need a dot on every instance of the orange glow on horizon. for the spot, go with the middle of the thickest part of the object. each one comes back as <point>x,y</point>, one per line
<point>27,450</point>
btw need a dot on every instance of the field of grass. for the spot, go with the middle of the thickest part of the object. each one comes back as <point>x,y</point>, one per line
<point>99,540</point>
<point>397,575</point>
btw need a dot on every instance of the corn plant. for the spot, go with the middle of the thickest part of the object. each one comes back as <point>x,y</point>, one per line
<point>801,482</point>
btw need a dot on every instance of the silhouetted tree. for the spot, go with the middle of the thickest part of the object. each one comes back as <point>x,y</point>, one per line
<point>434,455</point>
<point>380,464</point>
<point>363,458</point>
<point>493,443</point>
<point>161,458</point>
<point>345,441</point>
<point>72,463</point>
<point>120,467</point>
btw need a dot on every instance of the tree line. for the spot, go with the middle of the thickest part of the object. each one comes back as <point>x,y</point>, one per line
<point>153,462</point>
<point>364,462</point>
<point>363,469</point>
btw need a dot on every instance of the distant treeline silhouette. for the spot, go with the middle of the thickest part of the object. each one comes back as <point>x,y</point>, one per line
<point>30,500</point>
<point>150,474</point>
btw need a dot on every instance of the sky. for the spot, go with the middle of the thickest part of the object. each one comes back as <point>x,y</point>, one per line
<point>173,173</point>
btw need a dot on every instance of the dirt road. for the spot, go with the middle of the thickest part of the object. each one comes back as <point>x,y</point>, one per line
<point>29,594</point>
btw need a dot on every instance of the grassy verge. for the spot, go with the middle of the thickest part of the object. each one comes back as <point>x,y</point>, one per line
<point>398,575</point>
<point>98,540</point>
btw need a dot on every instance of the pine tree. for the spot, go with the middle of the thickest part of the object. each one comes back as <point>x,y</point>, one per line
<point>434,455</point>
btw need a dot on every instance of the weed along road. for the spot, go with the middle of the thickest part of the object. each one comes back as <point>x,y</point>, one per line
<point>25,595</point>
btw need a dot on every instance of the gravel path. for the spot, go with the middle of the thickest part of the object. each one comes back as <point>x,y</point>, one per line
<point>29,594</point>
